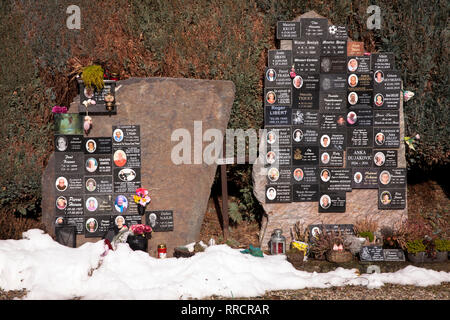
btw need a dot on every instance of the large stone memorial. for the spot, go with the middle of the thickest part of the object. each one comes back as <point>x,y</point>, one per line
<point>91,179</point>
<point>333,153</point>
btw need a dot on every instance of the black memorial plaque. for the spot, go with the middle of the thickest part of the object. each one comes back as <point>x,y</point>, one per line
<point>70,205</point>
<point>278,97</point>
<point>278,193</point>
<point>278,135</point>
<point>331,158</point>
<point>382,61</point>
<point>305,99</point>
<point>278,175</point>
<point>98,204</point>
<point>371,253</point>
<point>77,221</point>
<point>360,99</point>
<point>358,64</point>
<point>335,140</point>
<point>278,155</point>
<point>332,202</point>
<point>277,116</point>
<point>386,118</point>
<point>160,220</point>
<point>331,47</point>
<point>365,178</point>
<point>386,81</point>
<point>308,118</point>
<point>127,180</point>
<point>332,121</point>
<point>97,164</point>
<point>127,156</point>
<point>386,137</point>
<point>332,102</point>
<point>131,220</point>
<point>337,32</point>
<point>359,157</point>
<point>279,58</point>
<point>392,178</point>
<point>305,192</point>
<point>313,28</point>
<point>303,136</point>
<point>99,107</point>
<point>69,184</point>
<point>391,199</point>
<point>287,30</point>
<point>98,184</point>
<point>386,100</point>
<point>343,229</point>
<point>358,82</point>
<point>384,158</point>
<point>334,180</point>
<point>96,225</point>
<point>360,137</point>
<point>277,77</point>
<point>333,82</point>
<point>126,135</point>
<point>100,145</point>
<point>394,255</point>
<point>307,47</point>
<point>304,174</point>
<point>68,143</point>
<point>308,155</point>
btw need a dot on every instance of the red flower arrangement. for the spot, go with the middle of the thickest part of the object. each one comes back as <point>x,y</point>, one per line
<point>140,229</point>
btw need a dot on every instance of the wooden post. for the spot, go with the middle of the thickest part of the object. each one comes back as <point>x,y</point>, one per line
<point>225,217</point>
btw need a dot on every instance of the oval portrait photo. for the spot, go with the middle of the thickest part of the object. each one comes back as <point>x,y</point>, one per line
<point>271,137</point>
<point>120,158</point>
<point>297,135</point>
<point>61,183</point>
<point>59,220</point>
<point>88,92</point>
<point>271,193</point>
<point>357,177</point>
<point>91,225</point>
<point>298,174</point>
<point>353,80</point>
<point>378,76</point>
<point>325,201</point>
<point>385,177</point>
<point>271,97</point>
<point>61,203</point>
<point>61,143</point>
<point>325,141</point>
<point>379,159</point>
<point>297,82</point>
<point>91,204</point>
<point>379,139</point>
<point>91,164</point>
<point>352,65</point>
<point>127,175</point>
<point>378,99</point>
<point>271,157</point>
<point>118,135</point>
<point>119,221</point>
<point>271,75</point>
<point>325,158</point>
<point>273,174</point>
<point>353,98</point>
<point>121,203</point>
<point>351,117</point>
<point>91,146</point>
<point>385,197</point>
<point>91,185</point>
<point>325,175</point>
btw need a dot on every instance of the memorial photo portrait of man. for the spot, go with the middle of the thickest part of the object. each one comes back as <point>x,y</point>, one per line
<point>357,177</point>
<point>325,141</point>
<point>297,82</point>
<point>353,98</point>
<point>325,201</point>
<point>298,174</point>
<point>353,80</point>
<point>271,193</point>
<point>273,174</point>
<point>271,97</point>
<point>271,75</point>
<point>118,135</point>
<point>61,183</point>
<point>152,218</point>
<point>340,121</point>
<point>61,143</point>
<point>352,65</point>
<point>378,76</point>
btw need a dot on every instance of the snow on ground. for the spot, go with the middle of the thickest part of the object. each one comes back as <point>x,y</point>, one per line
<point>49,270</point>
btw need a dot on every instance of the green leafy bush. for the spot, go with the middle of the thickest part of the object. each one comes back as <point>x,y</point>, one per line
<point>367,234</point>
<point>92,76</point>
<point>415,246</point>
<point>442,245</point>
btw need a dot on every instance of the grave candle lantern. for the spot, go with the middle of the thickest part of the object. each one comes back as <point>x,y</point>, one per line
<point>277,242</point>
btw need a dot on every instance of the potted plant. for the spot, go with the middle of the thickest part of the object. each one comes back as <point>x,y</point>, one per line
<point>137,237</point>
<point>416,250</point>
<point>330,246</point>
<point>299,247</point>
<point>442,248</point>
<point>92,77</point>
<point>391,238</point>
<point>366,229</point>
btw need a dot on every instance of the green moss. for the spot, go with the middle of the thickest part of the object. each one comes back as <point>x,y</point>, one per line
<point>93,77</point>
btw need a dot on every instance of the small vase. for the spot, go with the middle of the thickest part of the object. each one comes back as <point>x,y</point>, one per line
<point>141,209</point>
<point>137,242</point>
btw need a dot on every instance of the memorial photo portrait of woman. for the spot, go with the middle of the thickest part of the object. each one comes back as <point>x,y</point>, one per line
<point>91,185</point>
<point>120,158</point>
<point>91,204</point>
<point>379,139</point>
<point>61,203</point>
<point>271,137</point>
<point>378,76</point>
<point>91,146</point>
<point>61,143</point>
<point>118,135</point>
<point>270,157</point>
<point>271,97</point>
<point>273,174</point>
<point>325,158</point>
<point>121,203</point>
<point>91,225</point>
<point>298,174</point>
<point>91,164</point>
<point>298,135</point>
<point>357,177</point>
<point>352,65</point>
<point>271,193</point>
<point>379,159</point>
<point>325,201</point>
<point>379,100</point>
<point>119,221</point>
<point>351,117</point>
<point>386,197</point>
<point>325,175</point>
<point>297,82</point>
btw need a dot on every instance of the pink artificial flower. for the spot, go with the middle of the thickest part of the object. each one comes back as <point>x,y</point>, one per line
<point>417,136</point>
<point>59,109</point>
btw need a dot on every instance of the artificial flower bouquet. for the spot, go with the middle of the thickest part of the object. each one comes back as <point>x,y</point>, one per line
<point>142,199</point>
<point>140,230</point>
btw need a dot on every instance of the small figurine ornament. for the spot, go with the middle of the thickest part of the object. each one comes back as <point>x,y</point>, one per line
<point>87,124</point>
<point>292,74</point>
<point>407,95</point>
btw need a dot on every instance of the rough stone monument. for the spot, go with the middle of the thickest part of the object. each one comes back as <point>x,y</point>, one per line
<point>160,106</point>
<point>360,203</point>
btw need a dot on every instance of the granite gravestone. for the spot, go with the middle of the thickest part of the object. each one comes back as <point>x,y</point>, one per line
<point>337,95</point>
<point>157,106</point>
